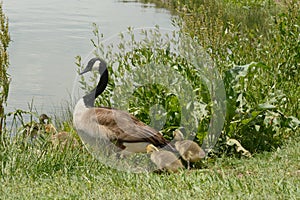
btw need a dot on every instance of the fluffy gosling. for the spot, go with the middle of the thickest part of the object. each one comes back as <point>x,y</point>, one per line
<point>164,160</point>
<point>189,150</point>
<point>64,139</point>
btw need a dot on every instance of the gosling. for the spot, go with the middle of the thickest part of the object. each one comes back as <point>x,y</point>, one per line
<point>47,126</point>
<point>189,150</point>
<point>164,160</point>
<point>64,139</point>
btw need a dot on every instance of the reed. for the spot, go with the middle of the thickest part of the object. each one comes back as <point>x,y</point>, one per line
<point>4,77</point>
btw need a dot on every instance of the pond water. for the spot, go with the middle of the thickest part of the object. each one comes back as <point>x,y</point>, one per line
<point>47,35</point>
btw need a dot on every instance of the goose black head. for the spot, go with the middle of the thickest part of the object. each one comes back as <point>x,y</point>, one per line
<point>95,64</point>
<point>43,117</point>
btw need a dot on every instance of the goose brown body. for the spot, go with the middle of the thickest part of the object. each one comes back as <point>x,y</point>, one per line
<point>119,127</point>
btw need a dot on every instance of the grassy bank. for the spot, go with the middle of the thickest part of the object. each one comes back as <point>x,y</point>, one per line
<point>74,174</point>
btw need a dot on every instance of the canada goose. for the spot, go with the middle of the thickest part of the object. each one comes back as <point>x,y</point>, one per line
<point>189,150</point>
<point>164,160</point>
<point>95,124</point>
<point>42,118</point>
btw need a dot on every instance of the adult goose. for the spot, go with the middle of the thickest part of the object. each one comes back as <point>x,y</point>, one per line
<point>108,124</point>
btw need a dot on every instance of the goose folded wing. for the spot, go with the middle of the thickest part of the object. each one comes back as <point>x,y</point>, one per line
<point>127,128</point>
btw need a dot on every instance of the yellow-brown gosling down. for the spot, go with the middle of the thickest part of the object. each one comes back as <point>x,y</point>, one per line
<point>189,150</point>
<point>64,139</point>
<point>164,160</point>
<point>48,127</point>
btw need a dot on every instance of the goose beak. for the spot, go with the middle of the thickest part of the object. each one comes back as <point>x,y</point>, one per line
<point>93,64</point>
<point>84,71</point>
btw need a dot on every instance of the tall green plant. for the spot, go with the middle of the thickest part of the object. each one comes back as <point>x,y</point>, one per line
<point>153,83</point>
<point>4,78</point>
<point>242,32</point>
<point>263,104</point>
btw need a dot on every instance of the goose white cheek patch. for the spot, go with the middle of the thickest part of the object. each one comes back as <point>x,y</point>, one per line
<point>96,66</point>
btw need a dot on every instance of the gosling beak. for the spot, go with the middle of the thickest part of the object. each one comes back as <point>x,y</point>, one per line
<point>148,149</point>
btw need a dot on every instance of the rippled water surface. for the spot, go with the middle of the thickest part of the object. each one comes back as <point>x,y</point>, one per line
<point>47,35</point>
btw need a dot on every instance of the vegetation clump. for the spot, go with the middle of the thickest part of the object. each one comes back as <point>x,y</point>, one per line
<point>255,47</point>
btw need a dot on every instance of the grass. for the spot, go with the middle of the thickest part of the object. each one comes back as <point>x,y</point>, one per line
<point>74,174</point>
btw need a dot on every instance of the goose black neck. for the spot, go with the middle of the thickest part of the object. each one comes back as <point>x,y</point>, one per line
<point>89,99</point>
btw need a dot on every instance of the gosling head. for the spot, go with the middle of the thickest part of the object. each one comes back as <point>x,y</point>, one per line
<point>95,64</point>
<point>151,148</point>
<point>178,135</point>
<point>164,160</point>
